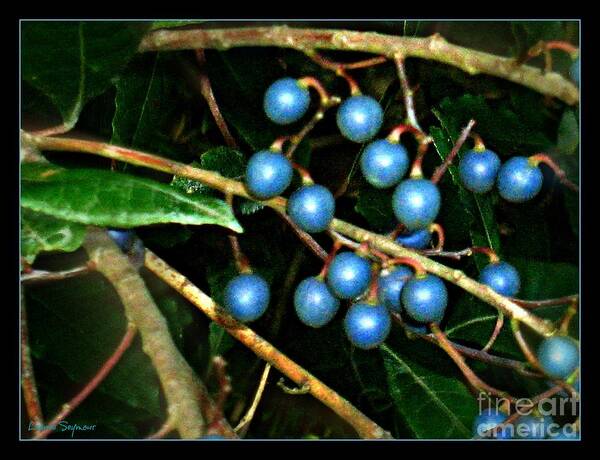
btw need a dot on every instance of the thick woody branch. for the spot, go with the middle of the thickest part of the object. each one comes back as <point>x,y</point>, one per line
<point>177,378</point>
<point>434,48</point>
<point>365,427</point>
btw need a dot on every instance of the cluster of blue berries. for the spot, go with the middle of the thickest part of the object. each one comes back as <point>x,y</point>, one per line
<point>518,180</point>
<point>416,203</point>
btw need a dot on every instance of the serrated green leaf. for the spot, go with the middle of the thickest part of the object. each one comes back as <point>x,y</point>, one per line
<point>71,62</point>
<point>113,199</point>
<point>43,233</point>
<point>76,324</point>
<point>434,405</point>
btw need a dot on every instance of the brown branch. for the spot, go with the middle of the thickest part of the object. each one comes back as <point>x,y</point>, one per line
<point>229,186</point>
<point>178,381</point>
<point>407,92</point>
<point>30,392</point>
<point>570,299</point>
<point>495,333</point>
<point>365,427</point>
<point>434,48</point>
<point>108,366</point>
<point>335,66</point>
<point>308,240</point>
<point>242,428</point>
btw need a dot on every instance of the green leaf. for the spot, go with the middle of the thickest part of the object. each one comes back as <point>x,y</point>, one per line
<point>435,405</point>
<point>219,340</point>
<point>71,62</point>
<point>43,233</point>
<point>113,199</point>
<point>375,205</point>
<point>171,24</point>
<point>77,324</point>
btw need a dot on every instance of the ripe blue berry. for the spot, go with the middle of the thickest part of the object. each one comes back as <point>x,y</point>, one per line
<point>286,101</point>
<point>518,180</point>
<point>348,275</point>
<point>268,174</point>
<point>425,298</point>
<point>311,207</point>
<point>558,356</point>
<point>478,170</point>
<point>384,163</point>
<point>531,427</point>
<point>416,203</point>
<point>247,297</point>
<point>502,278</point>
<point>390,285</point>
<point>419,239</point>
<point>488,419</point>
<point>574,71</point>
<point>367,326</point>
<point>315,304</point>
<point>359,118</point>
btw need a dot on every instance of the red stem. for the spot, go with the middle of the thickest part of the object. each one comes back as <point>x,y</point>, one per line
<point>92,384</point>
<point>418,268</point>
<point>439,231</point>
<point>562,176</point>
<point>335,248</point>
<point>488,252</point>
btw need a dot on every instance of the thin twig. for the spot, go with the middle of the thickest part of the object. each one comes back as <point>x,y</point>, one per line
<point>407,92</point>
<point>108,366</point>
<point>495,333</point>
<point>570,299</point>
<point>165,429</point>
<point>242,428</point>
<point>365,427</point>
<point>30,392</point>
<point>308,240</point>
<point>335,66</point>
<point>303,390</point>
<point>40,276</point>
<point>458,359</point>
<point>434,48</point>
<point>440,170</point>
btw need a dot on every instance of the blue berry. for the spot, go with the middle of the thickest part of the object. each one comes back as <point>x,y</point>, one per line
<point>123,238</point>
<point>359,118</point>
<point>384,163</point>
<point>348,275</point>
<point>558,356</point>
<point>478,170</point>
<point>419,239</point>
<point>286,101</point>
<point>390,285</point>
<point>502,278</point>
<point>213,437</point>
<point>268,174</point>
<point>315,304</point>
<point>425,298</point>
<point>247,297</point>
<point>416,203</point>
<point>311,207</point>
<point>488,419</point>
<point>367,326</point>
<point>531,427</point>
<point>518,180</point>
<point>574,71</point>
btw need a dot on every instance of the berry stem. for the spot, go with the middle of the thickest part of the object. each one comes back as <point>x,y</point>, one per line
<point>524,346</point>
<point>312,82</point>
<point>479,145</point>
<point>397,131</point>
<point>354,88</point>
<point>373,285</point>
<point>538,158</point>
<point>495,333</point>
<point>563,46</point>
<point>304,174</point>
<point>439,231</point>
<point>277,145</point>
<point>420,271</point>
<point>416,170</point>
<point>566,320</point>
<point>337,245</point>
<point>493,257</point>
<point>570,299</point>
<point>440,170</point>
